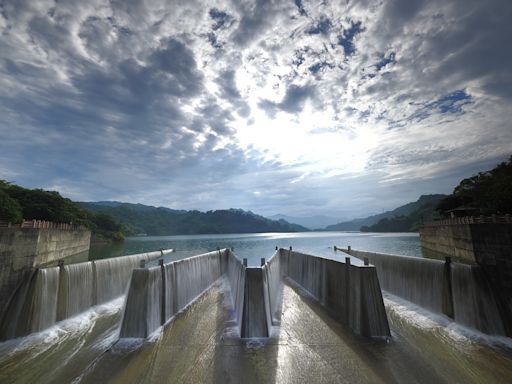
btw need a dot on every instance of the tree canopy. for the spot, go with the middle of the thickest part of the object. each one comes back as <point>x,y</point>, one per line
<point>488,192</point>
<point>18,203</point>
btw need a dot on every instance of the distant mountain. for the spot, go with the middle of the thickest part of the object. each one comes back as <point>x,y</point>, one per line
<point>422,208</point>
<point>139,218</point>
<point>311,222</point>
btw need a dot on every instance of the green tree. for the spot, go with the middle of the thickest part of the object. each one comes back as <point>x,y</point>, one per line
<point>10,210</point>
<point>488,192</point>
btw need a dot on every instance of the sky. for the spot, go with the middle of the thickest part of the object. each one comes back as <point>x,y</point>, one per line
<point>342,108</point>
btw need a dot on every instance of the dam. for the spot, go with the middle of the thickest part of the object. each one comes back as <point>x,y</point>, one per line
<point>293,317</point>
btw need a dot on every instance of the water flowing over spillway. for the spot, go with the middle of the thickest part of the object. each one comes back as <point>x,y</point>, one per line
<point>75,290</point>
<point>473,300</point>
<point>157,293</point>
<point>52,294</point>
<point>459,291</point>
<point>195,334</point>
<point>255,301</point>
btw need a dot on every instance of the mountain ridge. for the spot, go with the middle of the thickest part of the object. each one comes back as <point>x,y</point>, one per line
<point>311,222</point>
<point>403,210</point>
<point>158,221</point>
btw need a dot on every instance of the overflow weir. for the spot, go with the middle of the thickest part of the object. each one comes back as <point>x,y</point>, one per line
<point>48,295</point>
<point>460,291</point>
<point>350,293</point>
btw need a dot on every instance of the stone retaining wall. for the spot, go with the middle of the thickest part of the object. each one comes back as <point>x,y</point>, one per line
<point>24,248</point>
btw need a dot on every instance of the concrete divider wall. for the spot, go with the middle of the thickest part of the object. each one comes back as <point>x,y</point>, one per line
<point>350,293</point>
<point>235,271</point>
<point>272,275</point>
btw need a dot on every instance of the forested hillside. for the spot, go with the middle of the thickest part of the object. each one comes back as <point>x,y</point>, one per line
<point>17,203</point>
<point>422,209</point>
<point>486,193</point>
<point>138,218</point>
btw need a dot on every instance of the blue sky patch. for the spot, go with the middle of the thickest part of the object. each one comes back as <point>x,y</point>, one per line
<point>346,40</point>
<point>322,27</point>
<point>451,103</point>
<point>300,7</point>
<point>385,61</point>
<point>220,18</point>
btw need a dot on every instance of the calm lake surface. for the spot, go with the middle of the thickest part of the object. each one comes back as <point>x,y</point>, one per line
<point>257,245</point>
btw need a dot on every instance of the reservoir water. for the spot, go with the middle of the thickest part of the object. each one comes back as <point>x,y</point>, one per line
<point>311,347</point>
<point>257,245</point>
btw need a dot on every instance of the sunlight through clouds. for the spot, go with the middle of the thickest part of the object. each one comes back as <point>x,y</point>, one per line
<point>344,106</point>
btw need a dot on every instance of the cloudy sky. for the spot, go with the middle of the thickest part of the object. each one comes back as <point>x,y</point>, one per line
<point>299,107</point>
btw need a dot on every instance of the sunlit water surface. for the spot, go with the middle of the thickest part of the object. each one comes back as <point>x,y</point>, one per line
<point>258,245</point>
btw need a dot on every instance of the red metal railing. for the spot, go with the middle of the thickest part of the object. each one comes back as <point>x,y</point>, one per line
<point>41,224</point>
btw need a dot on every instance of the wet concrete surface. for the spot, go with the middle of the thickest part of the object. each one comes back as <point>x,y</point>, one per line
<point>309,347</point>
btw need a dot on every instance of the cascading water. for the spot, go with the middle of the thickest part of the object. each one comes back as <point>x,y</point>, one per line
<point>458,290</point>
<point>113,275</point>
<point>255,292</point>
<point>417,280</point>
<point>473,300</point>
<point>307,271</point>
<point>170,292</point>
<point>75,290</point>
<point>194,275</point>
<point>184,280</point>
<point>48,295</point>
<point>46,292</point>
<point>350,293</point>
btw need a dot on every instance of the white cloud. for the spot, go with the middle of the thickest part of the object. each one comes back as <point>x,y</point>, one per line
<point>263,105</point>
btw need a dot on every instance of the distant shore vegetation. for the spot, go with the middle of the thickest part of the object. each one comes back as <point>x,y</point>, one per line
<point>18,203</point>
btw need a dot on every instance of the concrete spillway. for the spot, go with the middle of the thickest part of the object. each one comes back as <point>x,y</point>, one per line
<point>350,293</point>
<point>48,295</point>
<point>459,291</point>
<point>158,293</point>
